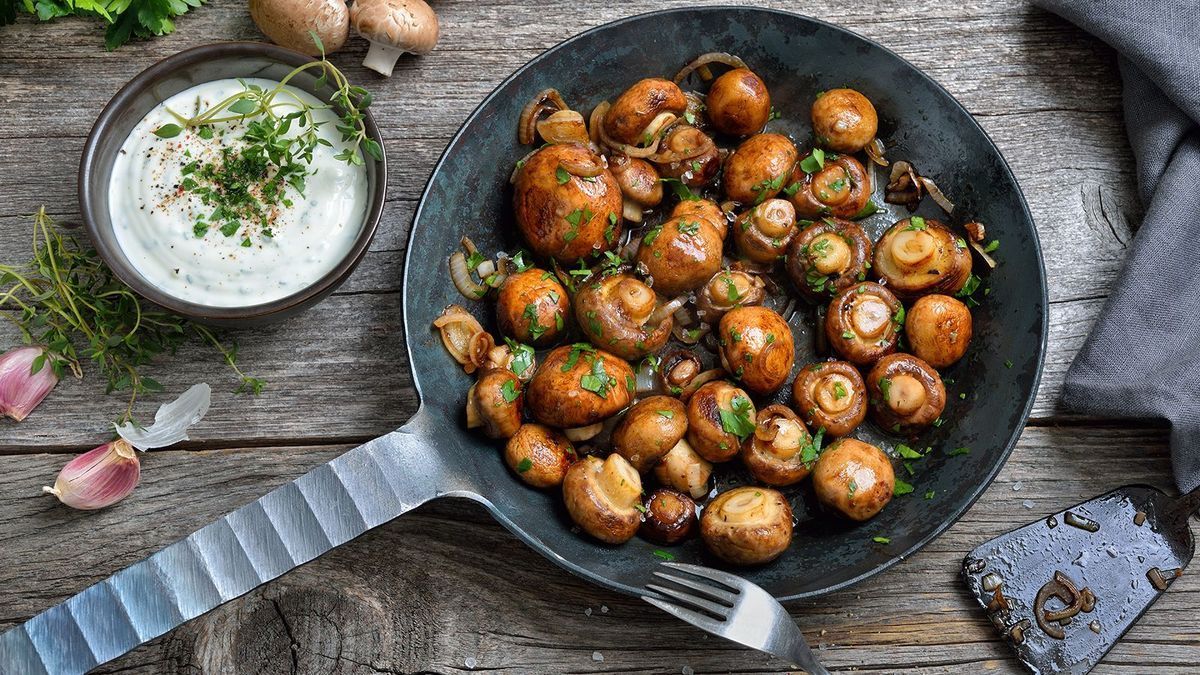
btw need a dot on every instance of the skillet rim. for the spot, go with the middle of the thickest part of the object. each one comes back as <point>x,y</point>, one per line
<point>947,522</point>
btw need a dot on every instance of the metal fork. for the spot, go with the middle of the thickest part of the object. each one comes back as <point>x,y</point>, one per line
<point>737,610</point>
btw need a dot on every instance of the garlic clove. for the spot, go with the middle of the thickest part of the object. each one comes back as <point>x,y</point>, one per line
<point>22,389</point>
<point>99,477</point>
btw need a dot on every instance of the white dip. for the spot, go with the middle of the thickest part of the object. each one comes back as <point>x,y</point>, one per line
<point>157,220</point>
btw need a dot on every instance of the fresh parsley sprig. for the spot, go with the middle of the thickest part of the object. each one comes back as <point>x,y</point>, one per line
<point>126,19</point>
<point>67,300</point>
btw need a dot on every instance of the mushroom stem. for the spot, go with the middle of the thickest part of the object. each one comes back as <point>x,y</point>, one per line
<point>382,58</point>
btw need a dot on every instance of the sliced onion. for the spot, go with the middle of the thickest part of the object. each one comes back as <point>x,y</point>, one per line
<point>667,309</point>
<point>706,376</point>
<point>646,382</point>
<point>474,420</point>
<point>978,248</point>
<point>596,119</point>
<point>583,433</point>
<point>975,231</point>
<point>459,329</point>
<point>584,168</point>
<point>485,268</point>
<point>657,125</point>
<point>461,276</point>
<point>704,60</point>
<point>904,186</point>
<point>563,126</point>
<point>546,101</point>
<point>874,152</point>
<point>632,211</point>
<point>481,345</point>
<point>682,334</point>
<point>936,193</point>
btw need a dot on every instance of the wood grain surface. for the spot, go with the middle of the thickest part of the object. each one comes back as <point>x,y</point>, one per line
<point>445,589</point>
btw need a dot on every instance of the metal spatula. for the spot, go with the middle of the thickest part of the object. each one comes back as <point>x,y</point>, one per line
<point>1064,589</point>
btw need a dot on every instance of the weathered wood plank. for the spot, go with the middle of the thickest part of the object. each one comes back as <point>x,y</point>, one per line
<point>445,584</point>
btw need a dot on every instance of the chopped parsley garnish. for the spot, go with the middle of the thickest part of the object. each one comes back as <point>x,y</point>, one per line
<point>881,540</point>
<point>812,450</point>
<point>689,228</point>
<point>561,175</point>
<point>522,356</point>
<point>768,187</point>
<point>737,421</point>
<point>839,390</point>
<point>991,246</point>
<point>929,494</point>
<point>959,451</point>
<point>916,223</point>
<point>851,488</point>
<point>869,209</point>
<point>573,356</point>
<point>597,381</point>
<point>814,162</point>
<point>536,330</point>
<point>901,488</point>
<point>682,191</point>
<point>669,414</point>
<point>524,465</point>
<point>665,555</point>
<point>847,335</point>
<point>907,452</point>
<point>885,387</point>
<point>652,235</point>
<point>509,391</point>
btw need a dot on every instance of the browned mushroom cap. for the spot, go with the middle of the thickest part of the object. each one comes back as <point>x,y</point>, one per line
<point>757,347</point>
<point>649,430</point>
<point>579,385</point>
<point>684,470</point>
<point>720,416</point>
<point>635,109</point>
<point>689,155</point>
<point>827,256</point>
<point>844,120</point>
<point>906,393</point>
<point>738,103</point>
<point>603,497</point>
<point>854,478</point>
<point>681,254</point>
<point>677,369</point>
<point>539,455</point>
<point>863,323</point>
<point>616,313</point>
<point>532,307</point>
<point>762,233</point>
<point>494,403</point>
<point>781,451</point>
<point>759,168</point>
<point>839,187</point>
<point>567,203</point>
<point>702,208</point>
<point>938,328</point>
<point>747,525</point>
<point>726,290</point>
<point>830,395</point>
<point>670,517</point>
<point>918,256</point>
<point>639,183</point>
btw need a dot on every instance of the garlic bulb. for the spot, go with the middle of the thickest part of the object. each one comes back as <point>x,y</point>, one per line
<point>22,389</point>
<point>99,477</point>
<point>107,474</point>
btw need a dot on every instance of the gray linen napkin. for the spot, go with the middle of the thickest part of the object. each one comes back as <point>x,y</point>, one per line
<point>1143,356</point>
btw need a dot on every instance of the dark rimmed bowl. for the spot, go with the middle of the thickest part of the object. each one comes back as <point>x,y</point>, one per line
<point>151,87</point>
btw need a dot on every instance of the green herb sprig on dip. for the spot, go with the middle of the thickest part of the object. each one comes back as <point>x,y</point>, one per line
<point>243,185</point>
<point>67,300</point>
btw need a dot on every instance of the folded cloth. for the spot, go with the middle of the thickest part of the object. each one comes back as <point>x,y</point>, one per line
<point>1142,358</point>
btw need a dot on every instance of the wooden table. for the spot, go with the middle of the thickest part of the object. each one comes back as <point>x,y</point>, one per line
<point>445,588</point>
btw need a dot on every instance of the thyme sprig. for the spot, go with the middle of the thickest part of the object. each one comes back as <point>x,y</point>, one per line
<point>65,299</point>
<point>243,185</point>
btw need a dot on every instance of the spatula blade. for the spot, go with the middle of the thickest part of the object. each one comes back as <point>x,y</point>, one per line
<point>1120,548</point>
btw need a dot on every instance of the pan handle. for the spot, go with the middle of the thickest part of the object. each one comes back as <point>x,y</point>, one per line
<point>289,526</point>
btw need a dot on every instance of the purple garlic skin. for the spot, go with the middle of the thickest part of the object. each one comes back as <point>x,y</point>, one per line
<point>21,389</point>
<point>99,477</point>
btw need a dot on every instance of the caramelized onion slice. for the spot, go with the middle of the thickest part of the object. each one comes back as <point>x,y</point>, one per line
<point>563,126</point>
<point>546,101</point>
<point>466,340</point>
<point>702,62</point>
<point>874,152</point>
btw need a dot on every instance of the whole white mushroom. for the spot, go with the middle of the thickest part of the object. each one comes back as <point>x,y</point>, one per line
<point>394,27</point>
<point>288,23</point>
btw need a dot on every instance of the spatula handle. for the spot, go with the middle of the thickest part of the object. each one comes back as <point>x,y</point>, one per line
<point>289,526</point>
<point>1186,506</point>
